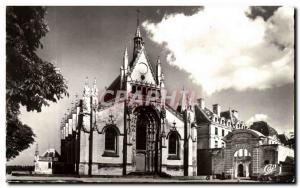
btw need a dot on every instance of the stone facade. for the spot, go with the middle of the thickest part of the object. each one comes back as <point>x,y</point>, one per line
<point>247,154</point>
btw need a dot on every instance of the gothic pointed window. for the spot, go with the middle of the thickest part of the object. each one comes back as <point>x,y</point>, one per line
<point>173,146</point>
<point>111,141</point>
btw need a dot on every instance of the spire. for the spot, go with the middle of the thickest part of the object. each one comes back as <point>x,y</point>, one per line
<point>124,69</point>
<point>183,101</point>
<point>158,71</point>
<point>95,81</point>
<point>95,88</point>
<point>86,90</point>
<point>95,85</point>
<point>125,60</point>
<point>86,82</point>
<point>138,32</point>
<point>138,40</point>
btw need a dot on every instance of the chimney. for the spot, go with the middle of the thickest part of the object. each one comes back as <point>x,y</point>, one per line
<point>201,103</point>
<point>217,109</point>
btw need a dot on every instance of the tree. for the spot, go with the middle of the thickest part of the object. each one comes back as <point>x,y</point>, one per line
<point>30,81</point>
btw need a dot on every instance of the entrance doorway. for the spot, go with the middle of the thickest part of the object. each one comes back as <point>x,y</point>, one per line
<point>240,170</point>
<point>140,162</point>
<point>147,147</point>
<point>242,161</point>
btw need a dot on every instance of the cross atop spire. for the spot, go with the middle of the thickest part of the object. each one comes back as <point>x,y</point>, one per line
<point>138,17</point>
<point>138,31</point>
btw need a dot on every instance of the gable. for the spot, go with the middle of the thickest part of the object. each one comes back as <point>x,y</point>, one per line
<point>141,70</point>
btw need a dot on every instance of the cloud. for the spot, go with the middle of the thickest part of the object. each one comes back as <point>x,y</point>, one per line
<point>222,48</point>
<point>257,117</point>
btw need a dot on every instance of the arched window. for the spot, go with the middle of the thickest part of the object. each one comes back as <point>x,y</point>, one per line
<point>144,91</point>
<point>173,146</point>
<point>111,138</point>
<point>133,89</point>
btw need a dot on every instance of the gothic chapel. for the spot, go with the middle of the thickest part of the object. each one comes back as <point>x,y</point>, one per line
<point>123,137</point>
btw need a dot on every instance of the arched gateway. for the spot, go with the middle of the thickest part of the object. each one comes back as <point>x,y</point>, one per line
<point>242,153</point>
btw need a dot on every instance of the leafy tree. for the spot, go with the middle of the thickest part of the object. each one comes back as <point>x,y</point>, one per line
<point>30,81</point>
<point>264,128</point>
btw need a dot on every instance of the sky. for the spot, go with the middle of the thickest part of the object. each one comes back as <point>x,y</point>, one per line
<point>239,57</point>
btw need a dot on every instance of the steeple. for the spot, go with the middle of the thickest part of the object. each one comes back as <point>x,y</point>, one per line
<point>138,31</point>
<point>138,40</point>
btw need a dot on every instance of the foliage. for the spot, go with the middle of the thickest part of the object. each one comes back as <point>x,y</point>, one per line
<point>30,81</point>
<point>263,128</point>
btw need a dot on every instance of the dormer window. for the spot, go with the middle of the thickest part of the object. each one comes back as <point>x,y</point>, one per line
<point>216,130</point>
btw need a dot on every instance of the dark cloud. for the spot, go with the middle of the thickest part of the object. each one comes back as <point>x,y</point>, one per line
<point>263,11</point>
<point>160,12</point>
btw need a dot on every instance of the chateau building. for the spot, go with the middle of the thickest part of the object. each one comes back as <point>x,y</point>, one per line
<point>133,129</point>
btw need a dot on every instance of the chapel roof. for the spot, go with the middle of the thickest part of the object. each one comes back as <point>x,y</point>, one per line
<point>114,86</point>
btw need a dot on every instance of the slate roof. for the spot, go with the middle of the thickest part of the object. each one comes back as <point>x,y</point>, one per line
<point>202,115</point>
<point>114,86</point>
<point>51,153</point>
<point>226,114</point>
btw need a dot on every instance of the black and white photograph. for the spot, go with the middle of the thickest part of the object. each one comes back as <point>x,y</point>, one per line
<point>150,94</point>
